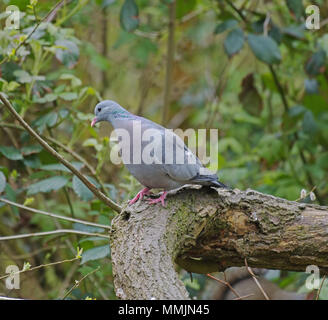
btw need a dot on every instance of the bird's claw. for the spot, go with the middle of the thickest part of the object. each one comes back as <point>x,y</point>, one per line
<point>139,195</point>
<point>160,199</point>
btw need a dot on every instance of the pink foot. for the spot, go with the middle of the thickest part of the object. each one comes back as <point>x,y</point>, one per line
<point>139,195</point>
<point>160,199</point>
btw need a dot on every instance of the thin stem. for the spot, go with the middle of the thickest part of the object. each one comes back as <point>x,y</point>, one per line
<point>46,233</point>
<point>77,283</point>
<point>60,158</point>
<point>244,297</point>
<point>54,215</point>
<point>279,87</point>
<point>239,12</point>
<point>66,149</point>
<point>69,202</point>
<point>79,6</point>
<point>318,293</point>
<point>250,271</point>
<point>266,24</point>
<point>227,284</point>
<point>39,267</point>
<point>169,61</point>
<point>55,8</point>
<point>296,137</point>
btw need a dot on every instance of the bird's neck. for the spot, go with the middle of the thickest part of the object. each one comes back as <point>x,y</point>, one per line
<point>119,116</point>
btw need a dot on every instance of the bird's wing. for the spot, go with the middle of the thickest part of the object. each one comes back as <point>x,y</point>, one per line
<point>185,165</point>
<point>169,152</point>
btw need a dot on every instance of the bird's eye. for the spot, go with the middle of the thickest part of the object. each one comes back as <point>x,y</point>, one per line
<point>99,109</point>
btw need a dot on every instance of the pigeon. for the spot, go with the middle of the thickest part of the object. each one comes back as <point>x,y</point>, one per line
<point>154,155</point>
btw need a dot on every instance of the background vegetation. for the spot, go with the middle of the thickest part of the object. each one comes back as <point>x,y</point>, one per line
<point>249,68</point>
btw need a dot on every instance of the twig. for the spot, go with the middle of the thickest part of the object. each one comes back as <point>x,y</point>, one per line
<point>60,158</point>
<point>239,12</point>
<point>286,107</point>
<point>250,271</point>
<point>66,282</point>
<point>279,87</point>
<point>227,284</point>
<point>243,297</point>
<point>39,267</point>
<point>65,148</point>
<point>52,15</point>
<point>300,198</point>
<point>34,29</point>
<point>169,61</point>
<point>323,23</point>
<point>318,293</point>
<point>46,233</point>
<point>266,24</point>
<point>77,282</point>
<point>55,215</point>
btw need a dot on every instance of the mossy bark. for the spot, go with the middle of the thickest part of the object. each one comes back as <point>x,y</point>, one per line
<point>206,230</point>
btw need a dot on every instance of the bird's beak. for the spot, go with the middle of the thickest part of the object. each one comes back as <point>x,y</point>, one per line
<point>94,121</point>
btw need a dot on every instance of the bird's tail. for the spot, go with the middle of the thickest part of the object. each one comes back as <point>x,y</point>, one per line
<point>219,184</point>
<point>209,180</point>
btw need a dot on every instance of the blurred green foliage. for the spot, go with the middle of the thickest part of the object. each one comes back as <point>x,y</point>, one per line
<point>249,68</point>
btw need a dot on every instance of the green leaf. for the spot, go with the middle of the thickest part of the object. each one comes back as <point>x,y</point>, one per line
<point>234,42</point>
<point>50,97</point>
<point>296,31</point>
<point>61,167</point>
<point>315,102</point>
<point>275,33</point>
<point>11,195</point>
<point>106,3</point>
<point>11,153</point>
<point>129,16</point>
<point>75,81</point>
<point>47,185</point>
<point>92,239</point>
<point>309,123</point>
<point>290,119</point>
<point>264,48</point>
<point>316,63</point>
<point>32,161</point>
<point>68,53</point>
<point>68,96</point>
<point>86,228</point>
<point>8,70</point>
<point>226,25</point>
<point>184,7</point>
<point>81,190</point>
<point>296,7</point>
<point>2,182</point>
<point>95,253</point>
<point>311,86</point>
<point>250,97</point>
<point>22,76</point>
<point>47,120</point>
<point>32,149</point>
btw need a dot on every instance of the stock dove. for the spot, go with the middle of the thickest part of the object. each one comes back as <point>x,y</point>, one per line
<point>155,156</point>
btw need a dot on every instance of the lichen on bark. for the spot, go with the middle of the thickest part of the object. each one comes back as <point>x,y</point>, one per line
<point>206,230</point>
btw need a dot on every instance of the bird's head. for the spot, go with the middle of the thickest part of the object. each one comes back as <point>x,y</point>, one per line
<point>108,110</point>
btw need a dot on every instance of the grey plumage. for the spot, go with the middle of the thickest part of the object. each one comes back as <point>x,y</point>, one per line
<point>185,168</point>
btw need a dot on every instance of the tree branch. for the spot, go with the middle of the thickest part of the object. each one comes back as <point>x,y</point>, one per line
<point>47,233</point>
<point>57,216</point>
<point>169,61</point>
<point>66,149</point>
<point>59,157</point>
<point>209,230</point>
